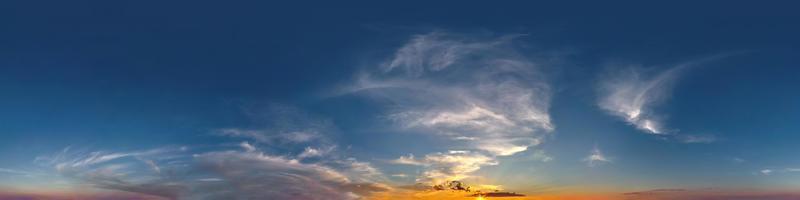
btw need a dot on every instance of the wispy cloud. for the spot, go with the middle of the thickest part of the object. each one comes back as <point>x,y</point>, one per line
<point>407,160</point>
<point>400,175</point>
<point>632,93</point>
<point>480,92</point>
<point>261,176</point>
<point>697,138</point>
<point>770,171</point>
<point>454,165</point>
<point>596,157</point>
<point>19,172</point>
<point>279,124</point>
<point>224,171</point>
<point>541,156</point>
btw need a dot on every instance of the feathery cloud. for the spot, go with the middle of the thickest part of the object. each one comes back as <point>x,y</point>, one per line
<point>482,93</point>
<point>631,95</point>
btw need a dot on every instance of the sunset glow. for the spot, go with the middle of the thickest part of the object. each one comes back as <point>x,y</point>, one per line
<point>399,100</point>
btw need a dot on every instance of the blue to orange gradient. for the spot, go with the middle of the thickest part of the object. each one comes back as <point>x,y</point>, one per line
<point>407,100</point>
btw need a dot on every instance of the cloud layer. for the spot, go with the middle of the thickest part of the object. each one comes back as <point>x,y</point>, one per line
<point>229,171</point>
<point>480,92</point>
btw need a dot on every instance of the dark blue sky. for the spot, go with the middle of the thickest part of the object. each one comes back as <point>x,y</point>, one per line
<point>117,76</point>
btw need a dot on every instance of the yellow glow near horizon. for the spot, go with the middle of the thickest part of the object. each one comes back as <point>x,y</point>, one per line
<point>480,198</point>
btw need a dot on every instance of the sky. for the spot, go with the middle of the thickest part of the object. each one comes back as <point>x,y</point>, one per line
<point>207,100</point>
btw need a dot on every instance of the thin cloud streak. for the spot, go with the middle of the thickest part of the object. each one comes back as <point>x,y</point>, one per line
<point>770,171</point>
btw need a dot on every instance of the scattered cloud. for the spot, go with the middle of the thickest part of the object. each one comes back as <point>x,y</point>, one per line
<point>311,152</point>
<point>772,171</point>
<point>281,125</point>
<point>247,146</point>
<point>400,175</point>
<point>541,156</point>
<point>13,171</point>
<point>407,160</point>
<point>697,138</point>
<point>630,94</point>
<point>792,170</point>
<point>264,136</point>
<point>596,158</point>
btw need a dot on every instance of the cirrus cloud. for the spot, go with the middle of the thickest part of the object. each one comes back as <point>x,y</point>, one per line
<point>482,93</point>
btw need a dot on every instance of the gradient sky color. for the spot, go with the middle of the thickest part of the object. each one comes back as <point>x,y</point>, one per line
<point>369,100</point>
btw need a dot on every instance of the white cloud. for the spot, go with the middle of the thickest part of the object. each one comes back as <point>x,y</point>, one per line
<point>400,175</point>
<point>792,170</point>
<point>210,179</point>
<point>442,167</point>
<point>247,146</point>
<point>480,92</point>
<point>310,152</point>
<point>267,137</point>
<point>772,171</point>
<point>19,172</point>
<point>152,165</point>
<point>407,160</point>
<point>596,157</point>
<point>541,156</point>
<point>282,125</point>
<point>137,172</point>
<point>630,94</point>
